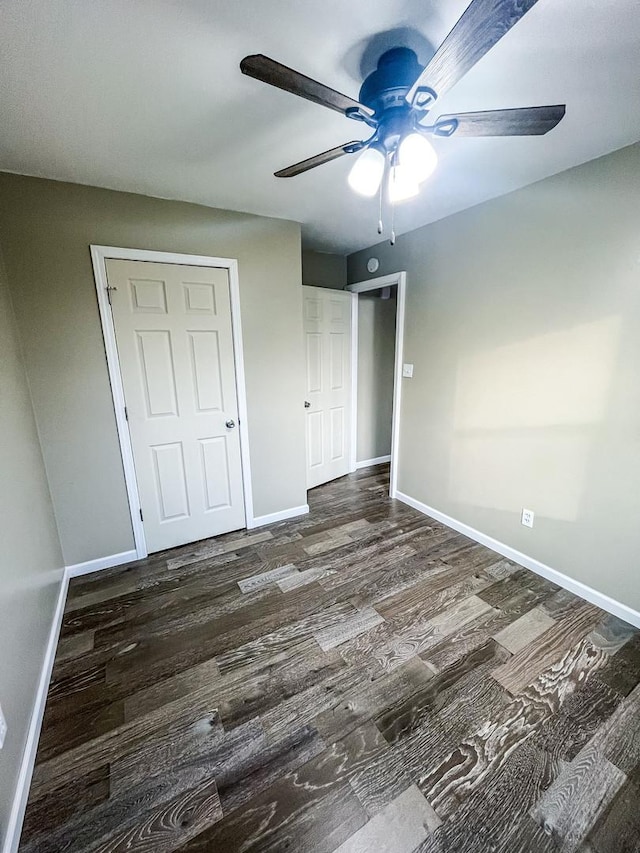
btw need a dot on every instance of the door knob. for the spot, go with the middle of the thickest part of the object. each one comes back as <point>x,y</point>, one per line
<point>307,404</point>
<point>230,424</point>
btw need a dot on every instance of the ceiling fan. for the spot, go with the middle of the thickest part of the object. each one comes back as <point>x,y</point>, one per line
<point>395,101</point>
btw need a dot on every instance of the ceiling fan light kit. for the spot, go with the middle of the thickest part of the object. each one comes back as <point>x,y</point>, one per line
<point>410,163</point>
<point>396,98</point>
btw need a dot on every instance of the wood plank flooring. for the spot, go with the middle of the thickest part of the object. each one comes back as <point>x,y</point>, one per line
<point>362,679</point>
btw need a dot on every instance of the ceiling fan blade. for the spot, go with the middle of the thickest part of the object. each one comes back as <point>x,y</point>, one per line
<point>525,121</point>
<point>481,26</point>
<point>319,159</point>
<point>275,74</point>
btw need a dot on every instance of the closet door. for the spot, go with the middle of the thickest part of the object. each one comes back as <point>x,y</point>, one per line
<point>175,348</point>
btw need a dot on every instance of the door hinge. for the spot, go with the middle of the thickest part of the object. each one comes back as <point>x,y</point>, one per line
<point>109,288</point>
<point>141,518</point>
<point>126,414</point>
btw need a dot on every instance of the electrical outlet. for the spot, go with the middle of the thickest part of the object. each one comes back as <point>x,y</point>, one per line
<point>3,728</point>
<point>527,517</point>
<point>407,371</point>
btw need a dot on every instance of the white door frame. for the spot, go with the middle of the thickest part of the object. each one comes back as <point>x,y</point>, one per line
<point>99,257</point>
<point>399,279</point>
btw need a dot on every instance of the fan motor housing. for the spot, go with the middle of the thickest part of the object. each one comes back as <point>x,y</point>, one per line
<point>387,86</point>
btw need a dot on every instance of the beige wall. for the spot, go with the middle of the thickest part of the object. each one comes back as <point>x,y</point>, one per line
<point>46,228</point>
<point>376,351</point>
<point>30,556</point>
<point>321,269</point>
<point>523,323</point>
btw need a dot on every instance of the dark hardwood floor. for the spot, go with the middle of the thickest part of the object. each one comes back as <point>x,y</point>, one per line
<point>359,679</point>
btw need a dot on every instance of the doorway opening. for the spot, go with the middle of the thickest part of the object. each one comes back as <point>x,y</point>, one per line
<point>376,366</point>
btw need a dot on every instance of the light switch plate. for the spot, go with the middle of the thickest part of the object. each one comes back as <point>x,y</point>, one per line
<point>527,517</point>
<point>407,371</point>
<point>3,728</point>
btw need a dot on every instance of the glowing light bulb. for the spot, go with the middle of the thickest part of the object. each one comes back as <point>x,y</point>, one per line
<point>402,184</point>
<point>418,156</point>
<point>366,173</point>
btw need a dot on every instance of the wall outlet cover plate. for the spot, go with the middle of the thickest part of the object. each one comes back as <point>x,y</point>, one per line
<point>527,517</point>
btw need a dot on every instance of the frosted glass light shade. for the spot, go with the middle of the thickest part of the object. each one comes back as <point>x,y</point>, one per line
<point>418,156</point>
<point>402,184</point>
<point>366,173</point>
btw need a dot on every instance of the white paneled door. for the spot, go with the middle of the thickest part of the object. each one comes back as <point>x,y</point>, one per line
<point>175,348</point>
<point>327,336</point>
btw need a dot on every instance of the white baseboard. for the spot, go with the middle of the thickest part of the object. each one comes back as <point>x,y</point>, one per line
<point>377,461</point>
<point>622,611</point>
<point>283,515</point>
<point>101,563</point>
<point>16,816</point>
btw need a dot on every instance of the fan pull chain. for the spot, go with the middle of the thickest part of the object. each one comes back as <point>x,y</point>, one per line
<point>393,222</point>
<point>390,163</point>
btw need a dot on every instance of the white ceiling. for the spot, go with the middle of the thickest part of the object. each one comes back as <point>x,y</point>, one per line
<point>147,96</point>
